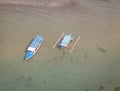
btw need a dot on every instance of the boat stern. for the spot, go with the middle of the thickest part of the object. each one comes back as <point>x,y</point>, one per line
<point>28,55</point>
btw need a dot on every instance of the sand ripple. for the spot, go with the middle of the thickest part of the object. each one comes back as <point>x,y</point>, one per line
<point>47,3</point>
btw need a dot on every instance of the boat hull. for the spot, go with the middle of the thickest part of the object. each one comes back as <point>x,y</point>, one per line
<point>30,54</point>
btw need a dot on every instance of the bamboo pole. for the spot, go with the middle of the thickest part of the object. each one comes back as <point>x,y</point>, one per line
<point>74,44</point>
<point>58,40</point>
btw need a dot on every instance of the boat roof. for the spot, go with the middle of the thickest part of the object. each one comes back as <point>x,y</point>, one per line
<point>36,41</point>
<point>66,40</point>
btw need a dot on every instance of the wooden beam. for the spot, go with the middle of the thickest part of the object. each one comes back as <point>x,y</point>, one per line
<point>74,44</point>
<point>58,40</point>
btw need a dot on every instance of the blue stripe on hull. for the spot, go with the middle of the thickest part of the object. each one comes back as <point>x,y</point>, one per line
<point>29,55</point>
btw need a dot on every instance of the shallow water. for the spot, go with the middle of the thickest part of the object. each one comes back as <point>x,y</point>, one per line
<point>94,64</point>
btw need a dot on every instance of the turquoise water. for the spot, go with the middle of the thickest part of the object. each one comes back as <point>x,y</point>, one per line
<point>94,64</point>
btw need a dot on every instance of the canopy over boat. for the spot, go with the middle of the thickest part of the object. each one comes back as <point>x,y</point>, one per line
<point>66,40</point>
<point>34,44</point>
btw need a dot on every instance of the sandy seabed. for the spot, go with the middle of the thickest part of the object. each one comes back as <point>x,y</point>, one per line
<point>94,64</point>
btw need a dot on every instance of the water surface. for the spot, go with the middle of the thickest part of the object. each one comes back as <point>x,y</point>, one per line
<point>94,64</point>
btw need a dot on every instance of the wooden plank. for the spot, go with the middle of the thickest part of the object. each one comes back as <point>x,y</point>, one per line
<point>74,44</point>
<point>58,40</point>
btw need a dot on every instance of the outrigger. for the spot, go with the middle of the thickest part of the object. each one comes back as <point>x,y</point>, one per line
<point>33,47</point>
<point>64,40</point>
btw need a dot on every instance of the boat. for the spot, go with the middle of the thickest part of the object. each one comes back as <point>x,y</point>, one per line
<point>64,41</point>
<point>33,47</point>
